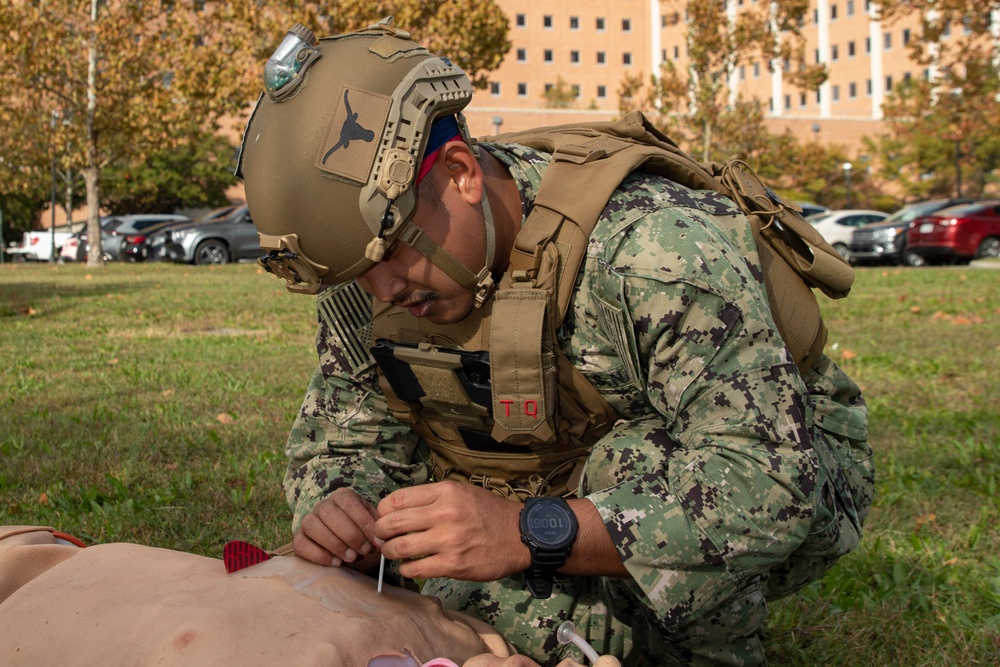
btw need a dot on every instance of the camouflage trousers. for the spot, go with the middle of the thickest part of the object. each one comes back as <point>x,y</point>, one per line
<point>728,635</point>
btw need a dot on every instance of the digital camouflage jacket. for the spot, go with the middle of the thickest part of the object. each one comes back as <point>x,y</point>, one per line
<point>729,468</point>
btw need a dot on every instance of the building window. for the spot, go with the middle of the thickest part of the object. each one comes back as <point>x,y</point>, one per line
<point>850,7</point>
<point>548,57</point>
<point>819,97</point>
<point>946,31</point>
<point>817,56</point>
<point>522,55</point>
<point>547,21</point>
<point>868,45</point>
<point>626,25</point>
<point>574,22</point>
<point>494,88</point>
<point>663,55</point>
<point>574,57</point>
<point>756,70</point>
<point>802,99</point>
<point>868,87</point>
<point>835,92</point>
<point>852,90</point>
<point>850,49</point>
<point>627,59</point>
<point>906,36</point>
<point>888,84</point>
<point>601,58</point>
<point>600,24</point>
<point>602,91</point>
<point>677,52</point>
<point>868,5</point>
<point>788,101</point>
<point>816,16</point>
<point>522,90</point>
<point>520,20</point>
<point>576,90</point>
<point>548,87</point>
<point>834,52</point>
<point>743,73</point>
<point>833,12</point>
<point>887,40</point>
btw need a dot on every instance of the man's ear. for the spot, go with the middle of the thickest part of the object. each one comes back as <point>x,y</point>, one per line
<point>464,171</point>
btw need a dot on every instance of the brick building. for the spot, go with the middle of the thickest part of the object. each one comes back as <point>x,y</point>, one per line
<point>591,44</point>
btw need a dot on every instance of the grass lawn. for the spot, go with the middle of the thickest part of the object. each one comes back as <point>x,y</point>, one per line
<point>150,403</point>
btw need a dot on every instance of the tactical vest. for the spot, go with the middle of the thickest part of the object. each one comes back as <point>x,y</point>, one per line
<point>540,418</point>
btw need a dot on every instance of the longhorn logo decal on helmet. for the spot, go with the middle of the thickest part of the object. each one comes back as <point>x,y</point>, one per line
<point>349,135</point>
<point>350,131</point>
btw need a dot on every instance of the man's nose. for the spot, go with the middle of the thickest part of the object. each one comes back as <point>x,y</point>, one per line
<point>382,282</point>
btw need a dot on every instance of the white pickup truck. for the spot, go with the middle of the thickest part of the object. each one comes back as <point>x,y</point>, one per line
<point>37,246</point>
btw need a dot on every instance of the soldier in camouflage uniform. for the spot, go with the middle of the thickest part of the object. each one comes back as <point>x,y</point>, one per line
<point>730,477</point>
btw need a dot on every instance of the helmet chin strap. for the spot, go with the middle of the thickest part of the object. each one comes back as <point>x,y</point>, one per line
<point>482,283</point>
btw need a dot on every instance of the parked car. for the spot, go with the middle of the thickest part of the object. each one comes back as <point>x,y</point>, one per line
<point>886,242</point>
<point>837,226</point>
<point>150,243</point>
<point>809,208</point>
<point>215,242</point>
<point>114,229</point>
<point>959,233</point>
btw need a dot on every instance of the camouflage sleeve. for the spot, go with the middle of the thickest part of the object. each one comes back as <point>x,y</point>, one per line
<point>345,436</point>
<point>709,482</point>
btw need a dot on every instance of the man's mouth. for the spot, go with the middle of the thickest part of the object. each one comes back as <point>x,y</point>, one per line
<point>418,304</point>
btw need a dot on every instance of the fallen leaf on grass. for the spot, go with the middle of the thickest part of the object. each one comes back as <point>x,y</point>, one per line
<point>928,518</point>
<point>951,561</point>
<point>848,354</point>
<point>960,320</point>
<point>914,309</point>
<point>112,362</point>
<point>88,277</point>
<point>171,466</point>
<point>902,298</point>
<point>940,316</point>
<point>223,418</point>
<point>43,499</point>
<point>168,392</point>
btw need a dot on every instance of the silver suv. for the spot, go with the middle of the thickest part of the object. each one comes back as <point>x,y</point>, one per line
<point>227,239</point>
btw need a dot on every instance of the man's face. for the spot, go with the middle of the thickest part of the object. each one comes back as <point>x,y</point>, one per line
<point>409,280</point>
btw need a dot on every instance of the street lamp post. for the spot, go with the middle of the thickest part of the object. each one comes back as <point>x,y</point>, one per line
<point>52,203</point>
<point>497,122</point>
<point>847,181</point>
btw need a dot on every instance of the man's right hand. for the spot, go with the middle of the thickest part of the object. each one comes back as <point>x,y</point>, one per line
<point>339,531</point>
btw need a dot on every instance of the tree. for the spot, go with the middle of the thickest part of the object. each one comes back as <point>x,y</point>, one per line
<point>561,95</point>
<point>132,79</point>
<point>193,174</point>
<point>696,103</point>
<point>941,139</point>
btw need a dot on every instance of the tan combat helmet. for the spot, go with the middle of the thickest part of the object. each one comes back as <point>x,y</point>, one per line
<point>331,154</point>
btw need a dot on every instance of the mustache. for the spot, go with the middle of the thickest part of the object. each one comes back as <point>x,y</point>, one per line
<point>407,299</point>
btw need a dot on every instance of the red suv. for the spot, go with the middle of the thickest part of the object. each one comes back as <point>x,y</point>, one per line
<point>959,233</point>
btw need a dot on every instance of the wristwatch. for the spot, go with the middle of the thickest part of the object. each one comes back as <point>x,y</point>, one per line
<point>548,528</point>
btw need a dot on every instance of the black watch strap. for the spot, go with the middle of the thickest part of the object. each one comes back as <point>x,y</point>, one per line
<point>548,529</point>
<point>539,582</point>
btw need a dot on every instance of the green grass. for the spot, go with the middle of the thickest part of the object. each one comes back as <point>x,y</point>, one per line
<point>150,403</point>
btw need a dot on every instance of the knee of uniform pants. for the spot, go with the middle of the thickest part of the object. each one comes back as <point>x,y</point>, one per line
<point>530,624</point>
<point>731,634</point>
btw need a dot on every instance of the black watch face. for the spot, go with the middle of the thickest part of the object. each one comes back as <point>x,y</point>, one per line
<point>549,524</point>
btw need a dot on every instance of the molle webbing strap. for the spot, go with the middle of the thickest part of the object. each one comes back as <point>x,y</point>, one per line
<point>520,403</point>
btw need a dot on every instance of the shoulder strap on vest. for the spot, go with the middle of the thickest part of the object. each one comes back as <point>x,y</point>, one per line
<point>590,160</point>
